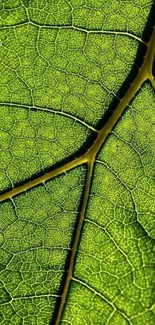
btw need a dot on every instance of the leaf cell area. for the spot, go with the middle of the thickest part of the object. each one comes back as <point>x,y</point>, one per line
<point>77,190</point>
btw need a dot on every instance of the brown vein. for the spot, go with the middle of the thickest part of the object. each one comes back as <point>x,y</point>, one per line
<point>75,243</point>
<point>89,158</point>
<point>143,74</point>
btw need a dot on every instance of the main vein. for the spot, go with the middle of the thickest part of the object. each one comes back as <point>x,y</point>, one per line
<point>145,72</point>
<point>76,242</point>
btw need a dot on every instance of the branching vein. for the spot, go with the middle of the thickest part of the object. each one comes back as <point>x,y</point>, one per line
<point>51,111</point>
<point>84,30</point>
<point>89,157</point>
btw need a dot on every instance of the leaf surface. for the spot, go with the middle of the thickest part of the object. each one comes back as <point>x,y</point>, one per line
<point>77,162</point>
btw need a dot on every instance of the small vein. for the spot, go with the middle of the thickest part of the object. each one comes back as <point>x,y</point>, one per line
<point>31,297</point>
<point>51,111</point>
<point>114,173</point>
<point>132,147</point>
<point>111,238</point>
<point>37,296</point>
<point>102,297</point>
<point>94,291</point>
<point>131,192</point>
<point>95,31</point>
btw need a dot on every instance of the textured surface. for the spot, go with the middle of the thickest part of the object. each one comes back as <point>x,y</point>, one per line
<point>115,258</point>
<point>64,69</point>
<point>32,140</point>
<point>77,214</point>
<point>36,232</point>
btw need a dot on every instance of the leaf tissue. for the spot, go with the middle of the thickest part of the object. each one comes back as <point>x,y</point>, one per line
<point>77,138</point>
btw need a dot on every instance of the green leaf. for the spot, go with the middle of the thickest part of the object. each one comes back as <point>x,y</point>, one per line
<point>77,111</point>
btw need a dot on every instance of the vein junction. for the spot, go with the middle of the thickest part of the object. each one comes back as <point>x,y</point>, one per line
<point>88,158</point>
<point>145,72</point>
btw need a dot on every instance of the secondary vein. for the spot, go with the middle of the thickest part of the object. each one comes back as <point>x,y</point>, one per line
<point>49,110</point>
